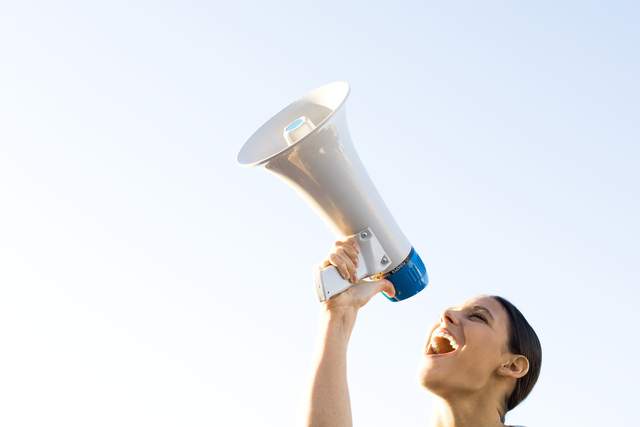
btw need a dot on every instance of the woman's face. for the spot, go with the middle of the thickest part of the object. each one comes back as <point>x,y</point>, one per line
<point>465,348</point>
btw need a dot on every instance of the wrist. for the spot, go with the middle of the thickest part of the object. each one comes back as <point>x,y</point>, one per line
<point>341,319</point>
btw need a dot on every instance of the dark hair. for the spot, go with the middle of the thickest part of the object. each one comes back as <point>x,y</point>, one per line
<point>522,340</point>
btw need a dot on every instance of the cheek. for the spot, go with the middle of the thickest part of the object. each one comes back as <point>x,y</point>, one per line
<point>486,352</point>
<point>482,347</point>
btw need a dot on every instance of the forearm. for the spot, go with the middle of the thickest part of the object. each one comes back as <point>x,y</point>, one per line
<point>327,400</point>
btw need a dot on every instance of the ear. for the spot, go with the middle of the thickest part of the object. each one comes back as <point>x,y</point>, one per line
<point>516,366</point>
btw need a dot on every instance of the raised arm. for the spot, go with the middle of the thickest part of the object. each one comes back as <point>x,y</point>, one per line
<point>327,401</point>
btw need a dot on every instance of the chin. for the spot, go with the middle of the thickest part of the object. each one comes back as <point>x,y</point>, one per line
<point>424,377</point>
<point>435,378</point>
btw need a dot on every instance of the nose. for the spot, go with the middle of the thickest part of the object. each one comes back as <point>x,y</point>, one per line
<point>448,316</point>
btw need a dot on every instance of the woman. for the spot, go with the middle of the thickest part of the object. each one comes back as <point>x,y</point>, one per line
<point>481,358</point>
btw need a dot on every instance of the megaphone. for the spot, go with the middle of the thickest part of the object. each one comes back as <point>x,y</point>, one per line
<point>308,145</point>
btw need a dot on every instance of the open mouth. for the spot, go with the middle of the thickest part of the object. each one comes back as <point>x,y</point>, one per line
<point>441,343</point>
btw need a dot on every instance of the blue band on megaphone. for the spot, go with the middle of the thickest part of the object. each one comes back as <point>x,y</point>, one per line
<point>408,279</point>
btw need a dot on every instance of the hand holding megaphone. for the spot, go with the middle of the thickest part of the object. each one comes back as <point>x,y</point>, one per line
<point>344,256</point>
<point>308,145</point>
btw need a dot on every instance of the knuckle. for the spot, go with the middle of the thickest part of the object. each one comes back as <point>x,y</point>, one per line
<point>335,259</point>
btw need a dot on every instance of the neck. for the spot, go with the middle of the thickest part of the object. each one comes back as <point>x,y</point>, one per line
<point>471,411</point>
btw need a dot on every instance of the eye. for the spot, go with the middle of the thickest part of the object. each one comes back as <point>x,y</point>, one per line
<point>479,316</point>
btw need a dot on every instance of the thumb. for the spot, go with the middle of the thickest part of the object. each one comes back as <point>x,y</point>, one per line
<point>386,287</point>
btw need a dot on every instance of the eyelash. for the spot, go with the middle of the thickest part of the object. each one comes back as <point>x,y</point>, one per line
<point>479,316</point>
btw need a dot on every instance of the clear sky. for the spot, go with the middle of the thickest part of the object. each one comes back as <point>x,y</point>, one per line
<point>146,279</point>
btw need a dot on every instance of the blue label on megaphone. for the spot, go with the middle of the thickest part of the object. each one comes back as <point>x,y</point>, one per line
<point>408,278</point>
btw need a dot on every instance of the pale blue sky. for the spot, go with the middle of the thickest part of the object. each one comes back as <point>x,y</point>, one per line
<point>146,279</point>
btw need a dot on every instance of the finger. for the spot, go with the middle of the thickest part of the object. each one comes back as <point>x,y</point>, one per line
<point>350,250</point>
<point>362,292</point>
<point>386,287</point>
<point>339,263</point>
<point>353,242</point>
<point>351,254</point>
<point>351,267</point>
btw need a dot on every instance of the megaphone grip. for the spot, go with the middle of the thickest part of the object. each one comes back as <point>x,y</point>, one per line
<point>328,282</point>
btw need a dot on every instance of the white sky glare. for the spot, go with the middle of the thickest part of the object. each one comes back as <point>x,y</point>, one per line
<point>146,279</point>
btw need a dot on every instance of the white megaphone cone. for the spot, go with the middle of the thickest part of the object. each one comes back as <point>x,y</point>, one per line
<point>308,145</point>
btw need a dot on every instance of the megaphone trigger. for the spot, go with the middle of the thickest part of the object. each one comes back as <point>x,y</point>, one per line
<point>372,260</point>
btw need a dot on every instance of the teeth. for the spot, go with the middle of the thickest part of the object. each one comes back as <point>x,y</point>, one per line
<point>435,348</point>
<point>443,334</point>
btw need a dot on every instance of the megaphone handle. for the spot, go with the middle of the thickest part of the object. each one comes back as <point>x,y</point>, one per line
<point>327,282</point>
